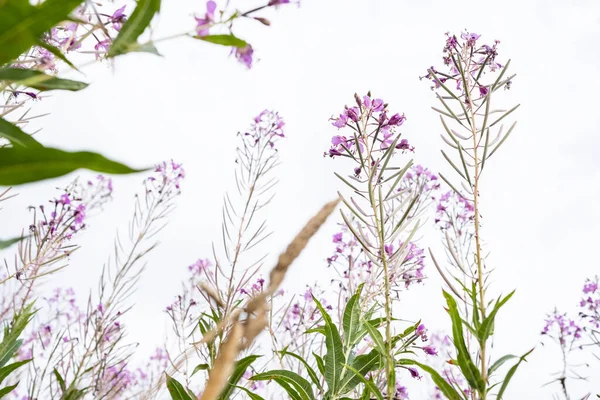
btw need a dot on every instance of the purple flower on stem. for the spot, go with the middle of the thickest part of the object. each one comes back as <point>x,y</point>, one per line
<point>118,18</point>
<point>429,350</point>
<point>244,55</point>
<point>203,24</point>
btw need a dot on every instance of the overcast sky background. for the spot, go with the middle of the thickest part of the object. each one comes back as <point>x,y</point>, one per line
<point>540,192</point>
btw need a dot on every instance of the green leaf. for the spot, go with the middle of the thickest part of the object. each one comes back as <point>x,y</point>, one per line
<point>362,364</point>
<point>351,318</point>
<point>368,383</point>
<point>238,371</point>
<point>16,136</point>
<point>199,367</point>
<point>224,40</point>
<point>440,382</point>
<point>377,338</point>
<point>251,395</point>
<point>10,341</point>
<point>6,370</point>
<point>24,165</point>
<point>510,374</point>
<point>487,325</point>
<point>334,358</point>
<point>9,242</point>
<point>39,80</point>
<point>320,363</point>
<point>499,362</point>
<point>135,25</point>
<point>466,364</point>
<point>21,24</point>
<point>6,390</point>
<point>311,372</point>
<point>301,385</point>
<point>176,389</point>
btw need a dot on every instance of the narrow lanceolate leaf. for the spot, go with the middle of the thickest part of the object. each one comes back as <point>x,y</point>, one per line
<point>24,165</point>
<point>487,326</point>
<point>7,369</point>
<point>16,136</point>
<point>251,395</point>
<point>465,363</point>
<point>21,24</point>
<point>10,341</point>
<point>510,374</point>
<point>39,80</point>
<point>351,318</point>
<point>9,242</point>
<point>362,364</point>
<point>199,367</point>
<point>499,362</point>
<point>6,390</point>
<point>176,389</point>
<point>238,372</point>
<point>437,379</point>
<point>334,358</point>
<point>301,385</point>
<point>137,23</point>
<point>224,40</point>
<point>311,372</point>
<point>369,385</point>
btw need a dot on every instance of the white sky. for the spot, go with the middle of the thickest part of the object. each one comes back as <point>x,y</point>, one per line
<point>540,193</point>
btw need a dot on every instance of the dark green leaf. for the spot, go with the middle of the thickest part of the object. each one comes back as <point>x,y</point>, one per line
<point>510,374</point>
<point>440,382</point>
<point>24,165</point>
<point>176,389</point>
<point>466,364</point>
<point>499,362</point>
<point>301,385</point>
<point>362,364</point>
<point>368,383</point>
<point>6,390</point>
<point>39,80</point>
<point>10,342</point>
<point>351,319</point>
<point>487,325</point>
<point>311,372</point>
<point>6,370</point>
<point>320,363</point>
<point>22,25</point>
<point>16,136</point>
<point>334,358</point>
<point>224,40</point>
<point>238,371</point>
<point>135,25</point>
<point>251,395</point>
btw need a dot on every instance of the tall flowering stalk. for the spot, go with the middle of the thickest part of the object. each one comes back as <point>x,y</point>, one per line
<point>385,205</point>
<point>473,131</point>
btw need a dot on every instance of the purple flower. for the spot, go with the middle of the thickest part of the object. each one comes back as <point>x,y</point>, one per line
<point>341,121</point>
<point>352,113</point>
<point>422,332</point>
<point>244,55</point>
<point>64,199</point>
<point>337,238</point>
<point>414,373</point>
<point>118,18</point>
<point>471,38</point>
<point>483,91</point>
<point>429,350</point>
<point>203,24</point>
<point>396,120</point>
<point>200,266</point>
<point>101,47</point>
<point>278,2</point>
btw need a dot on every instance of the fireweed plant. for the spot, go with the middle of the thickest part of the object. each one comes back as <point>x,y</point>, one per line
<point>576,336</point>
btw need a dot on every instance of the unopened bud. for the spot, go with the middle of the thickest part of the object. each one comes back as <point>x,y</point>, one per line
<point>263,21</point>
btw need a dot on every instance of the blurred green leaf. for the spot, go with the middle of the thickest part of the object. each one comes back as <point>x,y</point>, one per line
<point>39,80</point>
<point>487,325</point>
<point>320,363</point>
<point>362,365</point>
<point>466,364</point>
<point>251,395</point>
<point>499,362</point>
<point>176,389</point>
<point>135,25</point>
<point>60,380</point>
<point>301,385</point>
<point>22,25</point>
<point>238,372</point>
<point>6,390</point>
<point>9,242</point>
<point>440,382</point>
<point>16,136</point>
<point>334,358</point>
<point>510,374</point>
<point>199,367</point>
<point>224,40</point>
<point>24,165</point>
<point>7,369</point>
